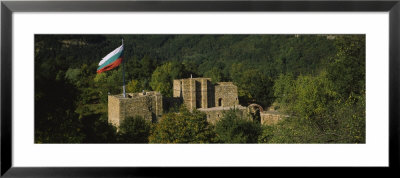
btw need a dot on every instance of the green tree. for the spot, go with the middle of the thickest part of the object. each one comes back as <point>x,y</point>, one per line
<point>293,130</point>
<point>307,97</point>
<point>71,99</point>
<point>134,130</point>
<point>163,76</point>
<point>216,74</point>
<point>72,75</point>
<point>182,127</point>
<point>133,86</point>
<point>109,81</point>
<point>147,66</point>
<point>283,89</point>
<point>313,95</point>
<point>350,120</point>
<point>233,128</point>
<point>254,86</point>
<point>161,80</point>
<point>97,129</point>
<point>55,119</point>
<point>347,69</point>
<point>347,125</point>
<point>328,107</point>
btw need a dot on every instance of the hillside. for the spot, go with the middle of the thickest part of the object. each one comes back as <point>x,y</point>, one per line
<point>302,74</point>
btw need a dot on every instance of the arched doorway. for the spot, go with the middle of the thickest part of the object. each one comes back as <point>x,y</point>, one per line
<point>255,110</point>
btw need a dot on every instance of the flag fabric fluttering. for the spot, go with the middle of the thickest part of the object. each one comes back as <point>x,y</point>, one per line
<point>112,60</point>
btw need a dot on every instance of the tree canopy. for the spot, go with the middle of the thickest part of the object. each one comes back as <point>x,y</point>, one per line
<point>318,81</point>
<point>183,127</point>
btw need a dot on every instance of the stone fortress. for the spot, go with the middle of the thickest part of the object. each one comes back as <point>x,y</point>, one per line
<point>194,93</point>
<point>213,99</point>
<point>145,104</point>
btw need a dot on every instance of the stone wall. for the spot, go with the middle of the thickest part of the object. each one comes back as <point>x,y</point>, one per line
<point>216,113</point>
<point>177,93</point>
<point>270,117</point>
<point>226,94</point>
<point>201,93</point>
<point>188,94</point>
<point>113,110</point>
<point>193,91</point>
<point>148,105</point>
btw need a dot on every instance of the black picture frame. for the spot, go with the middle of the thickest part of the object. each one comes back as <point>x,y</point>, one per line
<point>8,7</point>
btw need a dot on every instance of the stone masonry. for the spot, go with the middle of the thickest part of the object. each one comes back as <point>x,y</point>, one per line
<point>195,93</point>
<point>201,93</point>
<point>145,104</point>
<point>216,113</point>
<point>271,117</point>
<point>226,94</point>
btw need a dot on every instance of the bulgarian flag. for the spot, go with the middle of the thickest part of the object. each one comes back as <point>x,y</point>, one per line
<point>112,60</point>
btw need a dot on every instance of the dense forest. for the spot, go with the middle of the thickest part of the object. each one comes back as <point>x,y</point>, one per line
<point>318,80</point>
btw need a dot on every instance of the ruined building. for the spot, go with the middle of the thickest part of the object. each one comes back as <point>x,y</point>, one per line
<point>195,93</point>
<point>269,117</point>
<point>203,95</point>
<point>145,104</point>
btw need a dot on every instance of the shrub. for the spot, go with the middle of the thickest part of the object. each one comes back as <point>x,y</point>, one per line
<point>182,127</point>
<point>232,128</point>
<point>134,130</point>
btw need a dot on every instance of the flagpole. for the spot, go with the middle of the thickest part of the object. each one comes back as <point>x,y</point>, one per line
<point>123,74</point>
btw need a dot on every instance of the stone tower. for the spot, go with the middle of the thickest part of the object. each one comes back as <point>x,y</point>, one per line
<point>145,104</point>
<point>201,93</point>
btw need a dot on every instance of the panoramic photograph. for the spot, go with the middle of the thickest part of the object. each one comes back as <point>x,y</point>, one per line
<point>200,89</point>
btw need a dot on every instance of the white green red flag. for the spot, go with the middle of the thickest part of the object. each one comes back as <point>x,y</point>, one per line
<point>112,60</point>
